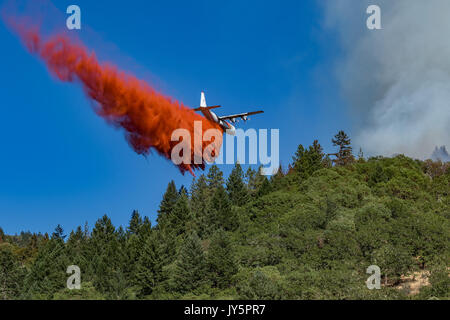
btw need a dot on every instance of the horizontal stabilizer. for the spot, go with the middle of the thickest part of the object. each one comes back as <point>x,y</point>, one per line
<point>206,108</point>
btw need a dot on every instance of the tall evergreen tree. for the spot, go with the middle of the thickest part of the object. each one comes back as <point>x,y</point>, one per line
<point>166,250</point>
<point>199,204</point>
<point>220,211</point>
<point>264,188</point>
<point>86,232</point>
<point>167,204</point>
<point>142,230</point>
<point>136,251</point>
<point>214,178</point>
<point>259,182</point>
<point>108,257</point>
<point>249,179</point>
<point>221,260</point>
<point>11,274</point>
<point>47,275</point>
<point>146,273</point>
<point>299,154</point>
<point>277,179</point>
<point>58,233</point>
<point>180,215</point>
<point>316,153</point>
<point>135,223</point>
<point>307,161</point>
<point>190,271</point>
<point>344,155</point>
<point>255,180</point>
<point>236,189</point>
<point>183,190</point>
<point>146,228</point>
<point>32,248</point>
<point>75,245</point>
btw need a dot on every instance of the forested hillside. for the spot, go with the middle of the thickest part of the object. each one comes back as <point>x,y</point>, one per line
<point>308,232</point>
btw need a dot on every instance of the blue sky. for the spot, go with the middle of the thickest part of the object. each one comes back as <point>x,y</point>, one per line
<point>60,163</point>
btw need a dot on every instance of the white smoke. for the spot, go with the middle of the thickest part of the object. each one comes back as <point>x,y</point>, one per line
<point>440,154</point>
<point>396,80</point>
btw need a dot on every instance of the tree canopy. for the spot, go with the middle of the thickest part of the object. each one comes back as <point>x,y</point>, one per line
<point>307,233</point>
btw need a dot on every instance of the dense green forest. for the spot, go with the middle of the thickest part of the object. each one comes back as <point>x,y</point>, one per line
<point>308,232</point>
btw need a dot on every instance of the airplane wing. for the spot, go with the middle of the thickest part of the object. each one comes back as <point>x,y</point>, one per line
<point>240,115</point>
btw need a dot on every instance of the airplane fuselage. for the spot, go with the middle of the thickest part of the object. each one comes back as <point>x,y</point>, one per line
<point>221,121</point>
<point>227,127</point>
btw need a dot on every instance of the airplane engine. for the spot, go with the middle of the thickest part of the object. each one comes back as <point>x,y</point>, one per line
<point>245,118</point>
<point>231,130</point>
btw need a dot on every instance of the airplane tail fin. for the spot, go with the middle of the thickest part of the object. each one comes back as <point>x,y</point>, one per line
<point>203,105</point>
<point>202,100</point>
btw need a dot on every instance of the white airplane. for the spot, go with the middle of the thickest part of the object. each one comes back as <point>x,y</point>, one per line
<point>228,127</point>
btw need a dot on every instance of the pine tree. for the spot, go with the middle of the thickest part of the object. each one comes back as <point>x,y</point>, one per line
<point>2,235</point>
<point>344,155</point>
<point>103,233</point>
<point>199,204</point>
<point>86,232</point>
<point>255,179</point>
<point>277,179</point>
<point>182,190</point>
<point>146,273</point>
<point>221,260</point>
<point>166,249</point>
<point>316,154</point>
<point>300,162</point>
<point>135,247</point>
<point>142,230</point>
<point>214,178</point>
<point>146,228</point>
<point>32,248</point>
<point>107,257</point>
<point>220,211</point>
<point>47,275</point>
<point>167,204</point>
<point>307,161</point>
<point>58,234</point>
<point>265,187</point>
<point>79,252</point>
<point>135,223</point>
<point>121,237</point>
<point>190,271</point>
<point>180,215</point>
<point>75,243</point>
<point>249,179</point>
<point>299,154</point>
<point>11,274</point>
<point>235,186</point>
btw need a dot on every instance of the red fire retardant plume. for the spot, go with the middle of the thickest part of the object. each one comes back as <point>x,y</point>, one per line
<point>148,117</point>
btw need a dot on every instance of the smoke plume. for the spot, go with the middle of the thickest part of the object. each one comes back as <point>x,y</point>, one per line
<point>440,154</point>
<point>147,117</point>
<point>396,80</point>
